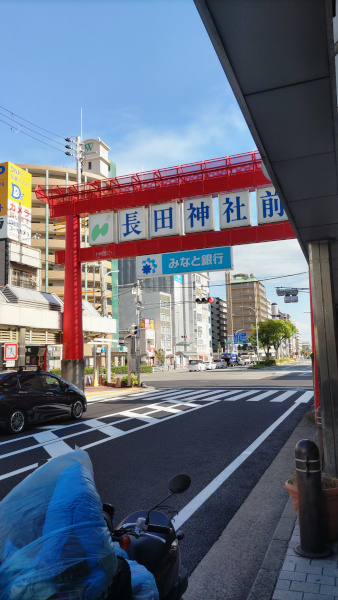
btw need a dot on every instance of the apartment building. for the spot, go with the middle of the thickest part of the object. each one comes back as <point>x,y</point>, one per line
<point>249,302</point>
<point>218,324</point>
<point>48,235</point>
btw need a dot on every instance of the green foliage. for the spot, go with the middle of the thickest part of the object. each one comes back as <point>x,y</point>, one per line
<point>160,355</point>
<point>124,380</point>
<point>56,371</point>
<point>272,332</point>
<point>263,363</point>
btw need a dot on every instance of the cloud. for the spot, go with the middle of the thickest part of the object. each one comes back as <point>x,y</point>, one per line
<point>208,133</point>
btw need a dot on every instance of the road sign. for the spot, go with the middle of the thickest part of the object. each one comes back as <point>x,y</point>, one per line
<point>190,261</point>
<point>11,351</point>
<point>240,338</point>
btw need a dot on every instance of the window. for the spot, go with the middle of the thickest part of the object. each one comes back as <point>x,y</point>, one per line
<point>89,166</point>
<point>8,381</point>
<point>29,381</point>
<point>23,279</point>
<point>49,381</point>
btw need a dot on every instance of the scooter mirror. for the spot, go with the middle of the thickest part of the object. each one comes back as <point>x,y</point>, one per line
<point>179,483</point>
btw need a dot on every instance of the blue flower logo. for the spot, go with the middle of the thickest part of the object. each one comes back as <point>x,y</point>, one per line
<point>149,266</point>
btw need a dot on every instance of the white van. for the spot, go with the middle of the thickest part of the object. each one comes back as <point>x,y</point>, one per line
<point>196,365</point>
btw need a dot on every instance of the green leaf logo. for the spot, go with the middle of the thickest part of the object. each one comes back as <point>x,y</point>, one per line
<point>97,230</point>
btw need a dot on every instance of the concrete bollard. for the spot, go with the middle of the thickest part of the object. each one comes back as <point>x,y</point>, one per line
<point>310,501</point>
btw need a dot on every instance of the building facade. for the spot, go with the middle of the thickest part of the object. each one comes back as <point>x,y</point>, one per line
<point>219,325</point>
<point>249,302</point>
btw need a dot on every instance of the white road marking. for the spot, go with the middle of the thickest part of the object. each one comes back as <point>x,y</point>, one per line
<point>283,397</point>
<point>18,471</point>
<point>244,395</point>
<point>261,396</point>
<point>55,446</point>
<point>205,494</point>
<point>51,443</point>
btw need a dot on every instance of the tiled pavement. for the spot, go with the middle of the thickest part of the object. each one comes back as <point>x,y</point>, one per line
<point>307,579</point>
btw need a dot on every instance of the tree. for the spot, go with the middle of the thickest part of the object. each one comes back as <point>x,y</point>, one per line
<point>160,355</point>
<point>288,329</point>
<point>272,332</point>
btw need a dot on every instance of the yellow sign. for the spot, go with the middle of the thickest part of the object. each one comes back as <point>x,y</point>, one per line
<point>15,203</point>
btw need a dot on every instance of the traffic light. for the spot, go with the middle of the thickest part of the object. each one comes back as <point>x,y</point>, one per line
<point>134,330</point>
<point>204,300</point>
<point>290,294</point>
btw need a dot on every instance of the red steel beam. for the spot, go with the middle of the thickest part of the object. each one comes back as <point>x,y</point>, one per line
<point>236,236</point>
<point>242,171</point>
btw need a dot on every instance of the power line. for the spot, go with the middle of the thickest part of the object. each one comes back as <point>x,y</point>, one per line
<point>29,129</point>
<point>34,125</point>
<point>34,138</point>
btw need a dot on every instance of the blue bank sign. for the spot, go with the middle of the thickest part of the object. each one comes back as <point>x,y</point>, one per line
<point>190,261</point>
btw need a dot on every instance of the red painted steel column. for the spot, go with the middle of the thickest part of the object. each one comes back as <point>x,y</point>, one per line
<point>315,371</point>
<point>72,316</point>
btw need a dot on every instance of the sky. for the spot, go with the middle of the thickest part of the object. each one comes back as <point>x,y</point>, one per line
<point>149,84</point>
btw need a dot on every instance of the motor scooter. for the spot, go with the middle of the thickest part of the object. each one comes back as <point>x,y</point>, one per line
<point>149,537</point>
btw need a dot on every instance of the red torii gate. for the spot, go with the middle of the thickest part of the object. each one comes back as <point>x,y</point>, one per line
<point>231,173</point>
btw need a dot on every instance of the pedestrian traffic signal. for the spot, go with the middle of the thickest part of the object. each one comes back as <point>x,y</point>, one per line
<point>204,300</point>
<point>134,330</point>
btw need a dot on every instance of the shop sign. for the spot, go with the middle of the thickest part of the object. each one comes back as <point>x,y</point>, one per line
<point>15,203</point>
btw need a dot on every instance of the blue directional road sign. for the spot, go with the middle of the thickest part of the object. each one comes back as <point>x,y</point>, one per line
<point>240,338</point>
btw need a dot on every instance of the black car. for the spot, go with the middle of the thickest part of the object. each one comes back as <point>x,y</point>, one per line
<point>35,396</point>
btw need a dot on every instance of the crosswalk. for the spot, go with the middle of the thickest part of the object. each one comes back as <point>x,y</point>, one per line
<point>21,454</point>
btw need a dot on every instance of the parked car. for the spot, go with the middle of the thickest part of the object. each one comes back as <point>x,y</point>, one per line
<point>196,365</point>
<point>35,396</point>
<point>220,364</point>
<point>209,365</point>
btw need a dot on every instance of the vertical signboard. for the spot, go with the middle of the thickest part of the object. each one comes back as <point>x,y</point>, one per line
<point>15,203</point>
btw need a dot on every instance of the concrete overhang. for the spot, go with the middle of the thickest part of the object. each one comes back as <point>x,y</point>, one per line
<point>280,62</point>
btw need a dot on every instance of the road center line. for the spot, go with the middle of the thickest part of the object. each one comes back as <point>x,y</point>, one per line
<point>205,494</point>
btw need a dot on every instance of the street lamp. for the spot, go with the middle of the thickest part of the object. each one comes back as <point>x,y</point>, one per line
<point>257,342</point>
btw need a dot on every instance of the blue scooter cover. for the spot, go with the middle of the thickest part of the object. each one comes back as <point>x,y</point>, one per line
<point>54,542</point>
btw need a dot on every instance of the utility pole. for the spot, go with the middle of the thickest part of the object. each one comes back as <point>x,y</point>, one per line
<point>138,303</point>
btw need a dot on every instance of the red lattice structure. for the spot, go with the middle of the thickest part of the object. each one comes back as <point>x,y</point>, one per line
<point>209,177</point>
<point>240,171</point>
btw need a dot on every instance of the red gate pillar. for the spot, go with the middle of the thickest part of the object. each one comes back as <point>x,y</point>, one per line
<point>72,365</point>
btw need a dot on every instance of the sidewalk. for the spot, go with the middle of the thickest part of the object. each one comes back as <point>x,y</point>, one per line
<point>254,558</point>
<point>103,390</point>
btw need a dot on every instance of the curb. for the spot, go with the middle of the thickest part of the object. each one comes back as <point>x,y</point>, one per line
<point>107,391</point>
<point>268,574</point>
<point>245,562</point>
<point>267,577</point>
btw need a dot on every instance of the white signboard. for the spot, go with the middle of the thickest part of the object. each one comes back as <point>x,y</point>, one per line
<point>234,209</point>
<point>199,214</point>
<point>165,219</point>
<point>101,229</point>
<point>269,206</point>
<point>16,225</point>
<point>132,224</point>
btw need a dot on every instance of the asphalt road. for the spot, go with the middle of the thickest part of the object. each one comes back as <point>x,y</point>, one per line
<point>224,435</point>
<point>295,374</point>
